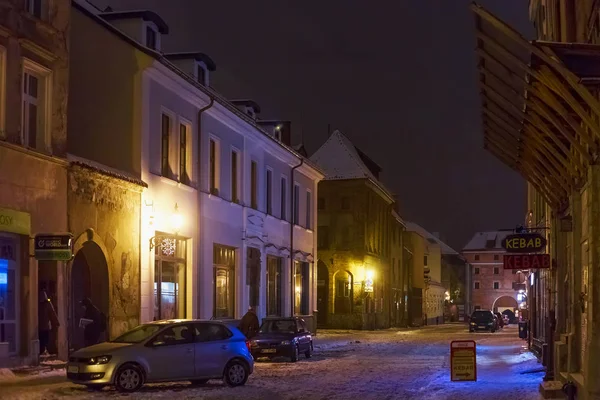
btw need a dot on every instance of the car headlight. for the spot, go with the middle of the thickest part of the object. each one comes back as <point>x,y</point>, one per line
<point>473,323</point>
<point>99,360</point>
<point>286,342</point>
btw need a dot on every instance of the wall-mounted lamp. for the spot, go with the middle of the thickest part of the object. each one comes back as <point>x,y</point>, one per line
<point>176,222</point>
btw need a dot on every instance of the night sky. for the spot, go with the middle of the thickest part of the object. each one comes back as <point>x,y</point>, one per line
<point>397,77</point>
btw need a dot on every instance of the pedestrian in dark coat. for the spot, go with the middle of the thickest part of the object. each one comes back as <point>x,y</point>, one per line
<point>93,330</point>
<point>249,324</point>
<point>47,320</point>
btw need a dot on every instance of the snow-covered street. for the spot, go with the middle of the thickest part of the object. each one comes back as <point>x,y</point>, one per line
<point>391,364</point>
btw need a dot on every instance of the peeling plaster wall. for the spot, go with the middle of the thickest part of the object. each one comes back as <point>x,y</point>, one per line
<point>111,207</point>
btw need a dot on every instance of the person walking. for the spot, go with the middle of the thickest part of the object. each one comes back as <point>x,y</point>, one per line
<point>47,320</point>
<point>249,323</point>
<point>95,324</point>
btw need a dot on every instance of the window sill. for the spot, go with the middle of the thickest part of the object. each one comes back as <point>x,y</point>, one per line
<point>173,182</point>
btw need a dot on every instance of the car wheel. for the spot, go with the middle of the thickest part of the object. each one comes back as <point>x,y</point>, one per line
<point>308,353</point>
<point>236,374</point>
<point>129,378</point>
<point>294,354</point>
<point>199,381</point>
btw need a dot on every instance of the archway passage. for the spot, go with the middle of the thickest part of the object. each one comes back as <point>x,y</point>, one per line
<point>89,278</point>
<point>505,303</point>
<point>322,293</point>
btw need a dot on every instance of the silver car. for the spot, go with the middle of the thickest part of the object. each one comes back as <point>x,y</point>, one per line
<point>161,351</point>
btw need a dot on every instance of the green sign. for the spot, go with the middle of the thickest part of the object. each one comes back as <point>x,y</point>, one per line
<point>15,221</point>
<point>53,247</point>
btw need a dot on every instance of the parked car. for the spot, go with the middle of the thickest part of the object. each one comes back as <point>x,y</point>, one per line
<point>483,320</point>
<point>499,320</point>
<point>282,337</point>
<point>162,351</point>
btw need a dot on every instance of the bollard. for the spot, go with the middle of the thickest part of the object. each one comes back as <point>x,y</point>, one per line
<point>570,390</point>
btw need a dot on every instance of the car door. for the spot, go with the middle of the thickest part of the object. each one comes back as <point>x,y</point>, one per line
<point>212,349</point>
<point>170,354</point>
<point>303,340</point>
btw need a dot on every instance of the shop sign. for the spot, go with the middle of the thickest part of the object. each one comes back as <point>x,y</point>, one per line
<point>463,360</point>
<point>524,243</point>
<point>53,247</point>
<point>15,221</point>
<point>526,261</point>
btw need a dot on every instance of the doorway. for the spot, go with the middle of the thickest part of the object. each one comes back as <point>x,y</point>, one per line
<point>322,293</point>
<point>89,279</point>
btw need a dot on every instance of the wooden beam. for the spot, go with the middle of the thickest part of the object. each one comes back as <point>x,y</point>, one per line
<point>566,162</point>
<point>545,54</point>
<point>508,103</point>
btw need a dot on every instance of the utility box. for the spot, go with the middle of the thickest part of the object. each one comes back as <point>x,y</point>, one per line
<point>523,330</point>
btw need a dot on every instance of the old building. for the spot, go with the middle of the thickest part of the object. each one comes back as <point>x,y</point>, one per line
<point>557,111</point>
<point>493,287</point>
<point>33,181</point>
<point>354,233</point>
<point>229,204</point>
<point>415,249</point>
<point>399,273</point>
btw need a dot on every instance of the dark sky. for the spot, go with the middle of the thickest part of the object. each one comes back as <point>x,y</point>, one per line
<point>397,77</point>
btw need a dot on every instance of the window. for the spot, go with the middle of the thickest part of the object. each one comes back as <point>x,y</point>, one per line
<point>269,194</point>
<point>35,110</point>
<point>214,167</point>
<point>323,237</point>
<point>9,286</point>
<point>425,261</point>
<point>476,285</point>
<point>308,210</point>
<point>301,288</point>
<point>321,203</point>
<point>235,176</point>
<point>345,203</point>
<point>496,285</point>
<point>254,185</point>
<point>283,213</point>
<point>274,297</point>
<point>151,37</point>
<point>296,212</point>
<point>185,155</point>
<point>201,74</point>
<point>169,278</point>
<point>179,334</point>
<point>496,257</point>
<point>476,257</point>
<point>476,270</point>
<point>343,293</point>
<point>34,7</point>
<point>224,281</point>
<point>211,333</point>
<point>496,271</point>
<point>165,169</point>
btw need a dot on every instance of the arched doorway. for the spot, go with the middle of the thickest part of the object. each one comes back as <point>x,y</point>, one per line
<point>322,293</point>
<point>89,278</point>
<point>343,292</point>
<point>505,303</point>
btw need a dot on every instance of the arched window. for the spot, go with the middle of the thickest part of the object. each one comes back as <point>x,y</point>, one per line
<point>343,292</point>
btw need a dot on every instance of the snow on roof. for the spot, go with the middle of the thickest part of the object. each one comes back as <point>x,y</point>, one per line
<point>431,238</point>
<point>491,240</point>
<point>106,170</point>
<point>339,159</point>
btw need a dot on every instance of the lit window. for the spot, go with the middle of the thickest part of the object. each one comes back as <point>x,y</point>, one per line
<point>301,288</point>
<point>185,154</point>
<point>170,279</point>
<point>214,166</point>
<point>224,267</point>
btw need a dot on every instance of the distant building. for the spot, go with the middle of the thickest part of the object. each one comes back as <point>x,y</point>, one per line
<point>494,288</point>
<point>354,239</point>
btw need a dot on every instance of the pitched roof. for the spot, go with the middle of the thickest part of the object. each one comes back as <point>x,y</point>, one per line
<point>431,238</point>
<point>340,159</point>
<point>487,241</point>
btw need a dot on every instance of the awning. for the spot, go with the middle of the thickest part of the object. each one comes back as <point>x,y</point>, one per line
<point>539,116</point>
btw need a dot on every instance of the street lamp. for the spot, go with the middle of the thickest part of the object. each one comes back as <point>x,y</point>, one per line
<point>176,222</point>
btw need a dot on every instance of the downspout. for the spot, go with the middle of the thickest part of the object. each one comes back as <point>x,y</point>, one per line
<point>292,223</point>
<point>200,111</point>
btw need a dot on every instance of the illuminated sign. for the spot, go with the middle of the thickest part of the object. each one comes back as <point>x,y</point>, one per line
<point>15,221</point>
<point>526,261</point>
<point>53,247</point>
<point>524,243</point>
<point>369,285</point>
<point>463,364</point>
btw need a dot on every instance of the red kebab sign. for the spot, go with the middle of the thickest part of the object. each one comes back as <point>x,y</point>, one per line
<point>463,360</point>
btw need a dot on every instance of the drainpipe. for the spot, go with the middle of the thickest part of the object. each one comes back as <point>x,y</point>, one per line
<point>293,203</point>
<point>200,111</point>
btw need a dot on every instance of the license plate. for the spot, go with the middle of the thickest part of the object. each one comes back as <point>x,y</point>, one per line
<point>73,369</point>
<point>269,351</point>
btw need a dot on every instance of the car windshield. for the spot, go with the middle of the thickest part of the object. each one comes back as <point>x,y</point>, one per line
<point>278,326</point>
<point>138,334</point>
<point>482,315</point>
